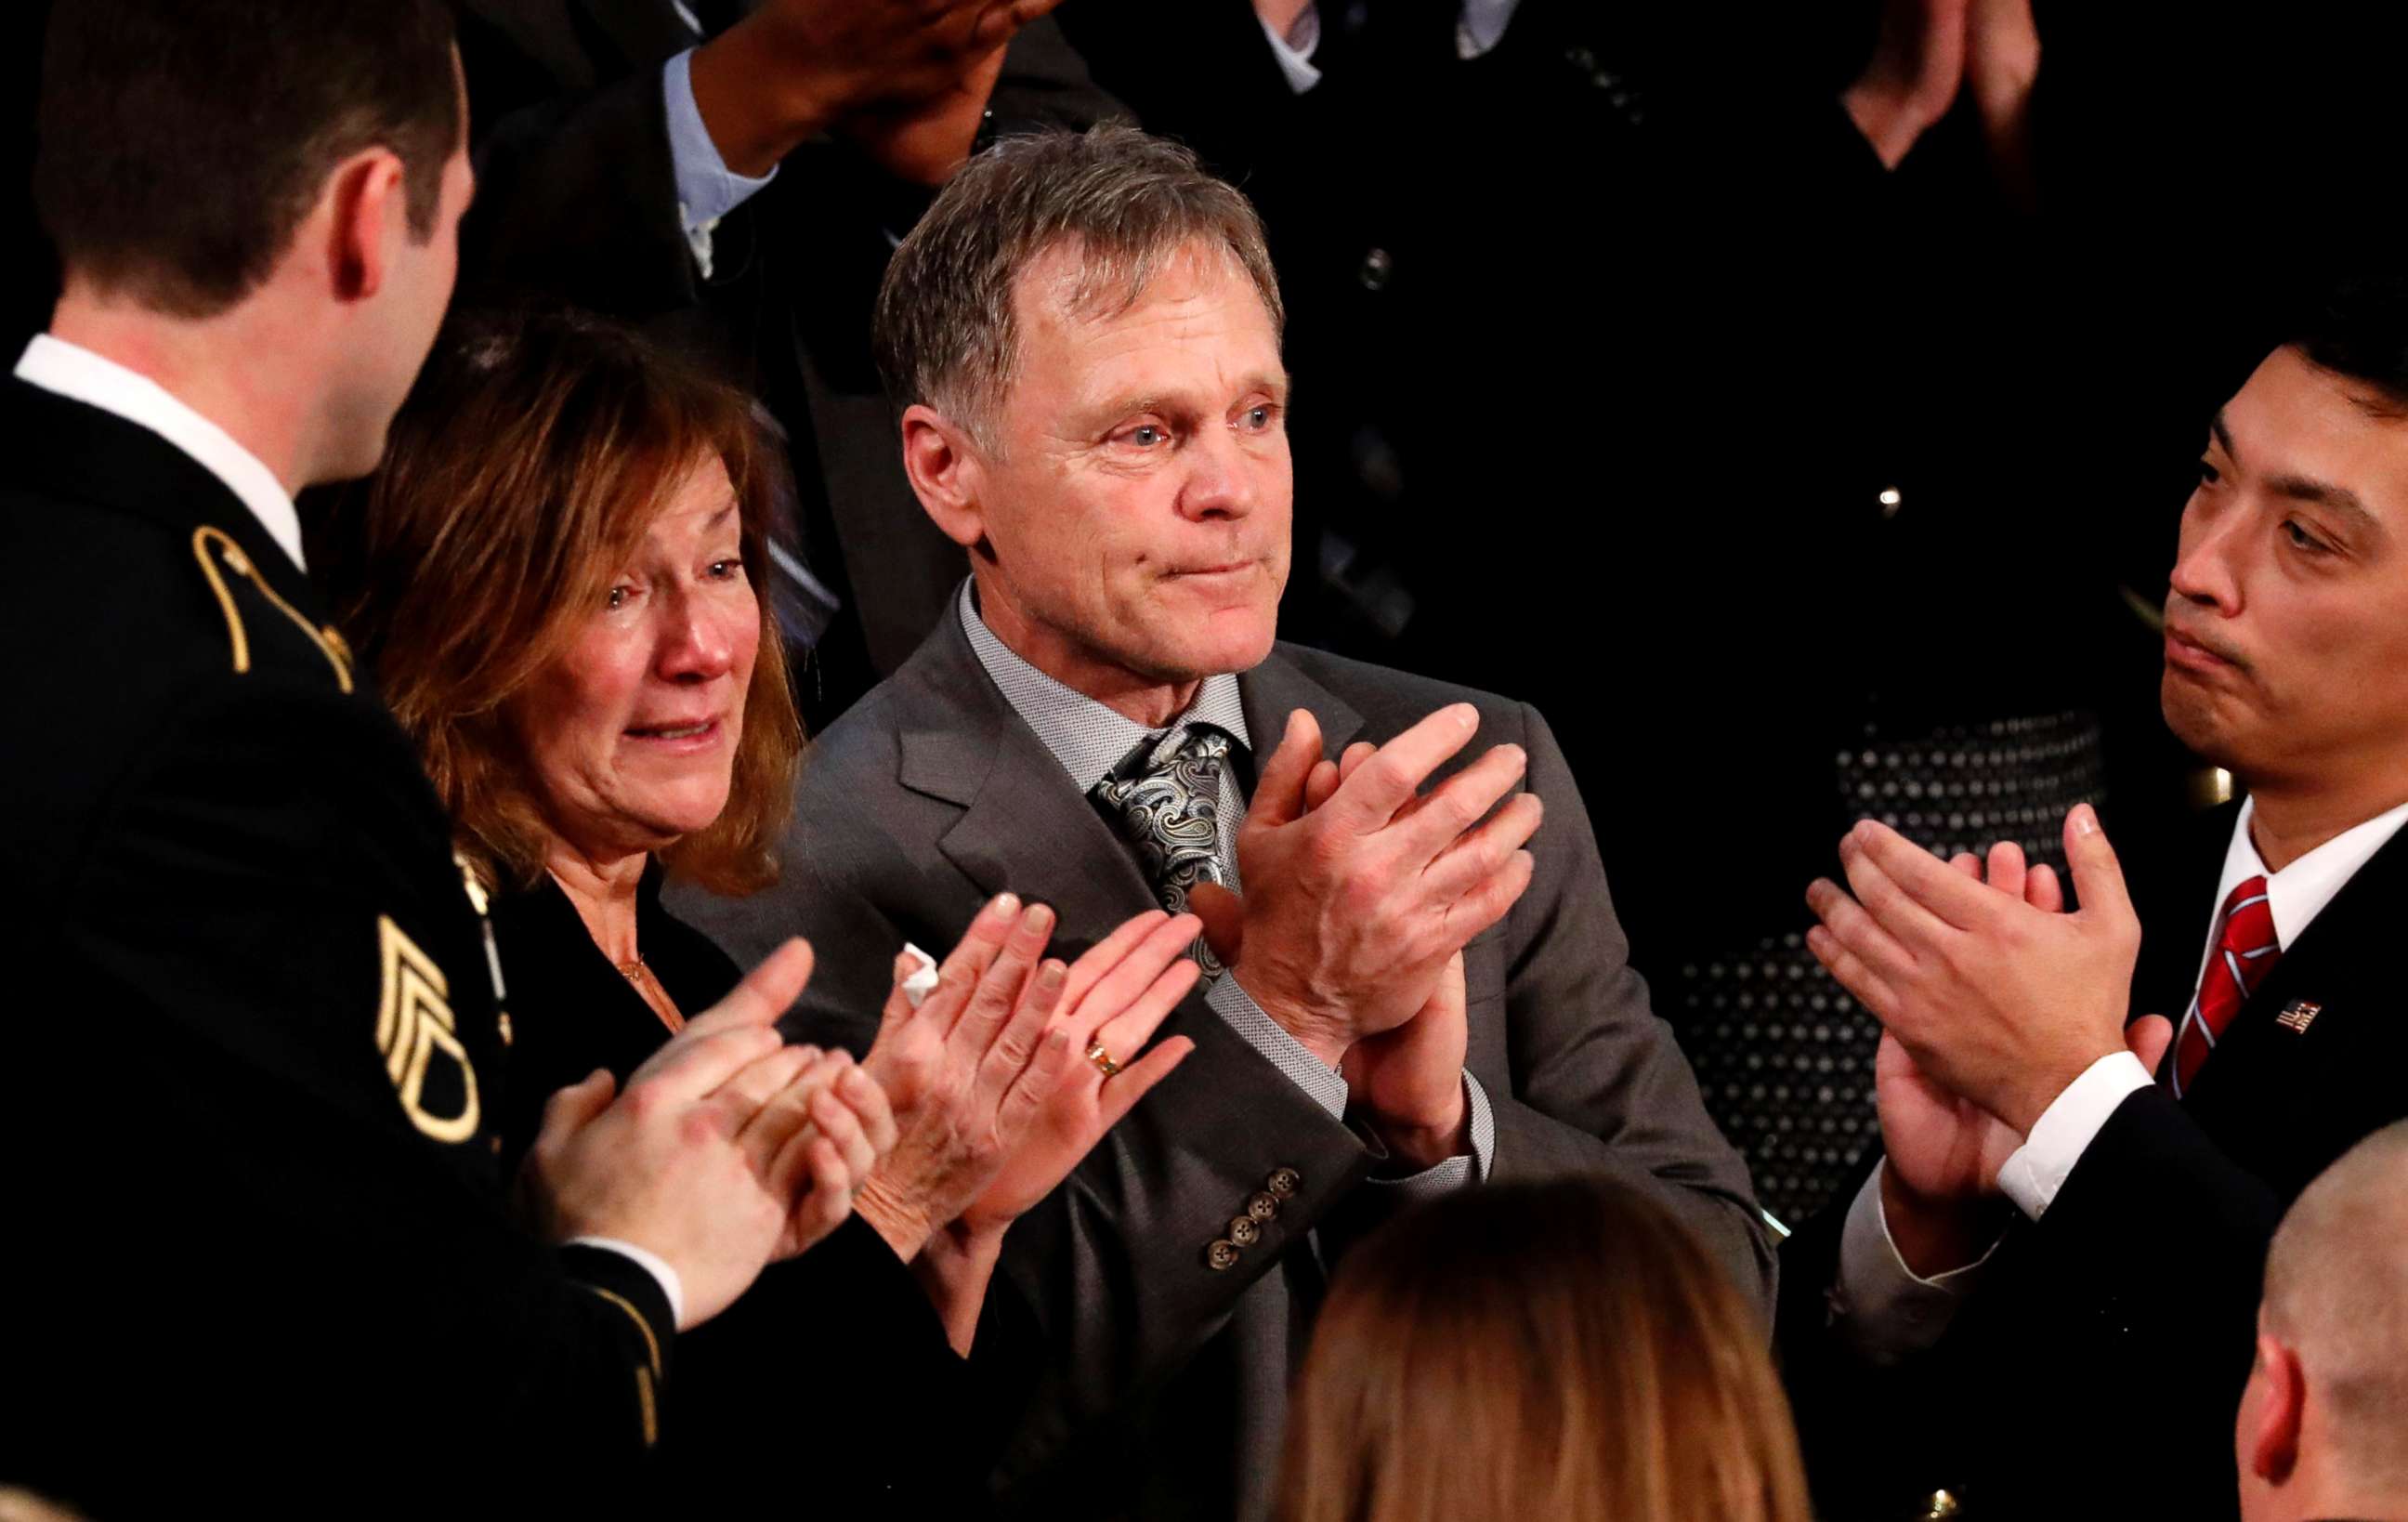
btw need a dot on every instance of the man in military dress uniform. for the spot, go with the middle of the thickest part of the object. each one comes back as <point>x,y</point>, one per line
<point>258,1249</point>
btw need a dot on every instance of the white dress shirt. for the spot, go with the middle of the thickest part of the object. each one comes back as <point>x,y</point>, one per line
<point>1891,1310</point>
<point>77,373</point>
<point>1481,27</point>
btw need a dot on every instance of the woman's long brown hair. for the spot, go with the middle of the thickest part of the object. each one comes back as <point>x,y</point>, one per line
<point>533,454</point>
<point>1550,1353</point>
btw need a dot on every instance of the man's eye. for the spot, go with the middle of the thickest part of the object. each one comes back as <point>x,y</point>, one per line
<point>1258,417</point>
<point>2301,539</point>
<point>1146,434</point>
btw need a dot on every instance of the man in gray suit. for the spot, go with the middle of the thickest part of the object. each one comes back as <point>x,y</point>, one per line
<point>1411,985</point>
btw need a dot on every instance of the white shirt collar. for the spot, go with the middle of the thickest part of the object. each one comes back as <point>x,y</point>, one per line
<point>80,375</point>
<point>2299,893</point>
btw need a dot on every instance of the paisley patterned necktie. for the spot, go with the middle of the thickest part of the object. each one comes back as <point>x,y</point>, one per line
<point>1168,806</point>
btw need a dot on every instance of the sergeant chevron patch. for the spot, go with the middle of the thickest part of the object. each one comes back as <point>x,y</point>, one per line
<point>413,1024</point>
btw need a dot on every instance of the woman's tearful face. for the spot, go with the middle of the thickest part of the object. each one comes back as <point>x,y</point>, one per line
<point>630,737</point>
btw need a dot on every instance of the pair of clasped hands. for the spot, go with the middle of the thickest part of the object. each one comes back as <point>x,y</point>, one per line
<point>729,1150</point>
<point>1992,1000</point>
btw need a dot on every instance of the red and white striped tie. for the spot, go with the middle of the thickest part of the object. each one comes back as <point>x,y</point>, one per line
<point>2244,954</point>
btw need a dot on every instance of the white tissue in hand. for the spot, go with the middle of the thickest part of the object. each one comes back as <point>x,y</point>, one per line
<point>923,981</point>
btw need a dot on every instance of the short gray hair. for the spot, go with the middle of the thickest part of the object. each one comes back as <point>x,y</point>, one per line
<point>2337,1293</point>
<point>945,332</point>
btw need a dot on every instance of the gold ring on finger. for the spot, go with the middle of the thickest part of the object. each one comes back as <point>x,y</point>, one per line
<point>1102,1060</point>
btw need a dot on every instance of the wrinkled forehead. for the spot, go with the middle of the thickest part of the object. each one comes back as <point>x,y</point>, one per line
<point>1072,283</point>
<point>1188,323</point>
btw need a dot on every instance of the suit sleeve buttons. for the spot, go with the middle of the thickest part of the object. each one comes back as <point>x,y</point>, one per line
<point>1222,1255</point>
<point>1262,1207</point>
<point>1283,1182</point>
<point>1244,1231</point>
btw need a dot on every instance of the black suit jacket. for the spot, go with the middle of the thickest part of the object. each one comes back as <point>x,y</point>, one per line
<point>827,1348</point>
<point>257,1232</point>
<point>1162,1385</point>
<point>577,201</point>
<point>2101,1356</point>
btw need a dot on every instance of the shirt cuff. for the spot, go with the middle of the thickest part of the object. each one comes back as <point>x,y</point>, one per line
<point>1465,1168</point>
<point>1284,1050</point>
<point>1888,1310</point>
<point>1294,50</point>
<point>2035,1172</point>
<point>707,188</point>
<point>672,1287</point>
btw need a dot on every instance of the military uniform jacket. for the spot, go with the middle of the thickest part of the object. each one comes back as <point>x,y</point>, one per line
<point>2095,1368</point>
<point>259,1246</point>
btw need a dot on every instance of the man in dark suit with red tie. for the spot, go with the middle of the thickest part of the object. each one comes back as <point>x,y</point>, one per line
<point>2045,1293</point>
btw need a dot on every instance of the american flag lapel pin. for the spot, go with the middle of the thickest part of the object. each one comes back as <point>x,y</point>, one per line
<point>2298,1015</point>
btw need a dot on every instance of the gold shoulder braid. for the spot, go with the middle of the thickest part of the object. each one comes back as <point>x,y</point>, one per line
<point>329,643</point>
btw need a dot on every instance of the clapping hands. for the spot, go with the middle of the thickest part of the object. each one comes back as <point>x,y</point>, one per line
<point>1359,886</point>
<point>1436,867</point>
<point>1929,52</point>
<point>727,1150</point>
<point>996,1092</point>
<point>1992,1000</point>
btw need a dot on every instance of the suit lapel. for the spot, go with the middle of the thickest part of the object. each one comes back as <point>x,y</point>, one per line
<point>961,743</point>
<point>1276,688</point>
<point>2177,902</point>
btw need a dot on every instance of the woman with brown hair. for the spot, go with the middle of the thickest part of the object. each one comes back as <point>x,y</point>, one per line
<point>1559,1351</point>
<point>552,578</point>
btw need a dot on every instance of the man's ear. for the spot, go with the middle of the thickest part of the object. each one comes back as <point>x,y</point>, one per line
<point>946,472</point>
<point>2274,1447</point>
<point>365,216</point>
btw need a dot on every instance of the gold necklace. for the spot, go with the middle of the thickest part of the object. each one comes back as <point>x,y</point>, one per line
<point>638,973</point>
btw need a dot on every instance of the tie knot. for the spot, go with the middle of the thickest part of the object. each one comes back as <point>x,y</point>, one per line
<point>1166,797</point>
<point>2248,919</point>
<point>1194,752</point>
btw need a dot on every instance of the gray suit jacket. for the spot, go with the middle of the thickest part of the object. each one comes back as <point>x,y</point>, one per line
<point>1161,1383</point>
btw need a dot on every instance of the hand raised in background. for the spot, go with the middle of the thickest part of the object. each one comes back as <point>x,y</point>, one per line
<point>1927,52</point>
<point>906,79</point>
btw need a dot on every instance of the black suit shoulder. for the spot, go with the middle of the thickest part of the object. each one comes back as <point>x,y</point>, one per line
<point>171,619</point>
